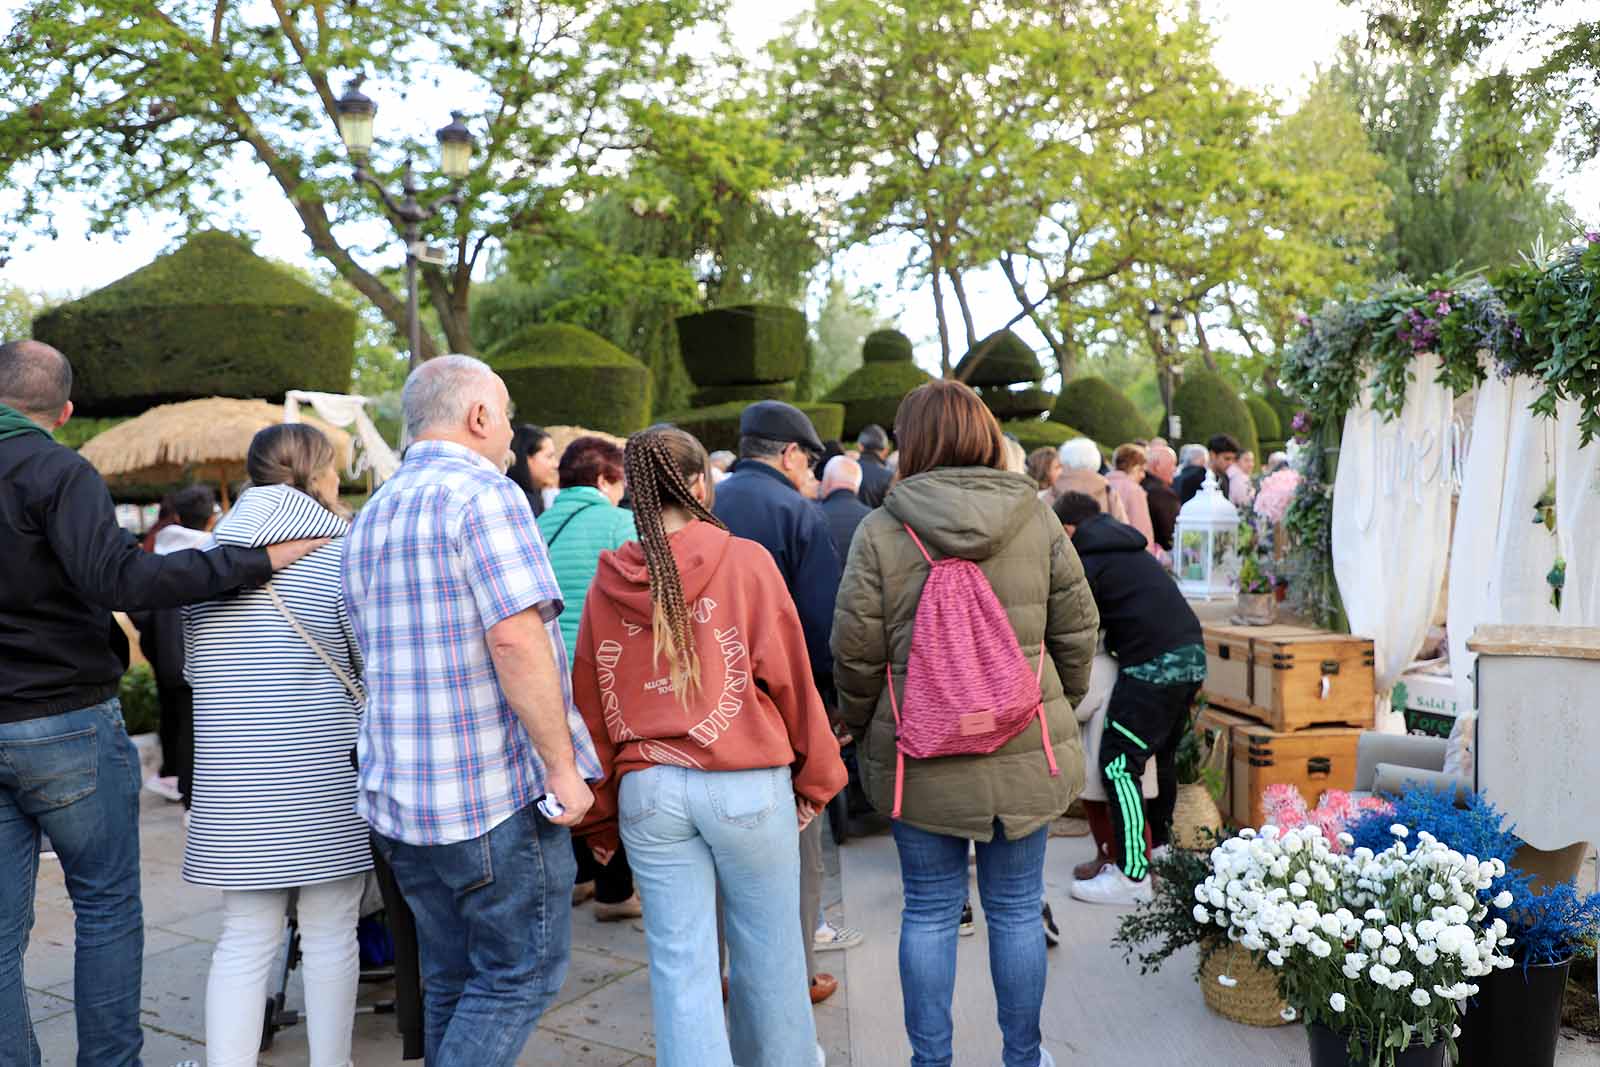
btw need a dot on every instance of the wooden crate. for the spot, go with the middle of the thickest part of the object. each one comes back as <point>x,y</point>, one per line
<point>1290,677</point>
<point>1312,760</point>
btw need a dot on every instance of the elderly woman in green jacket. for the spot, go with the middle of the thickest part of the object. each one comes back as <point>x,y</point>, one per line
<point>953,492</point>
<point>582,522</point>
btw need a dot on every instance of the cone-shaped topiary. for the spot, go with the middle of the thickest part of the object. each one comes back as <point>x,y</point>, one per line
<point>872,393</point>
<point>1016,403</point>
<point>718,427</point>
<point>1099,409</point>
<point>715,395</point>
<point>1002,358</point>
<point>886,346</point>
<point>563,375</point>
<point>209,319</point>
<point>744,344</point>
<point>1208,405</point>
<point>1266,421</point>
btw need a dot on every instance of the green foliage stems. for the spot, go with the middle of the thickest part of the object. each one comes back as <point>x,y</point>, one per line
<point>1100,410</point>
<point>564,375</point>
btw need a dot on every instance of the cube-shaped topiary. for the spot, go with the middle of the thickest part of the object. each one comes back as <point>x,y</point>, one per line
<point>1017,403</point>
<point>743,345</point>
<point>718,427</point>
<point>209,319</point>
<point>1208,405</point>
<point>872,393</point>
<point>1099,409</point>
<point>1002,358</point>
<point>1266,420</point>
<point>714,395</point>
<point>886,346</point>
<point>563,375</point>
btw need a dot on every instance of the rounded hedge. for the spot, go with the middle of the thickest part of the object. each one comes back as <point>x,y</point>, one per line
<point>1268,428</point>
<point>1016,403</point>
<point>1208,406</point>
<point>886,346</point>
<point>209,319</point>
<point>563,375</point>
<point>872,393</point>
<point>1006,360</point>
<point>1037,433</point>
<point>718,427</point>
<point>713,395</point>
<point>741,345</point>
<point>1100,410</point>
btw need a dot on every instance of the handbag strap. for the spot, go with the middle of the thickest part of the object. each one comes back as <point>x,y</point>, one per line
<point>315,645</point>
<point>548,541</point>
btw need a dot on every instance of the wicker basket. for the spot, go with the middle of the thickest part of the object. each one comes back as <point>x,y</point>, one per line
<point>1254,1000</point>
<point>1196,822</point>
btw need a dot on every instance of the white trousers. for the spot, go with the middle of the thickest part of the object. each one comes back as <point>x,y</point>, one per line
<point>250,945</point>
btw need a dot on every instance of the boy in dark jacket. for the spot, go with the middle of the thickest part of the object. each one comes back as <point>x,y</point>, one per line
<point>1161,658</point>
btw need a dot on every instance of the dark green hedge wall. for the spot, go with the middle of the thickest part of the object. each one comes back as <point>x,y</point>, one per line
<point>1099,409</point>
<point>562,375</point>
<point>1007,360</point>
<point>1017,404</point>
<point>210,319</point>
<point>872,393</point>
<point>714,395</point>
<point>886,346</point>
<point>743,344</point>
<point>1208,405</point>
<point>718,427</point>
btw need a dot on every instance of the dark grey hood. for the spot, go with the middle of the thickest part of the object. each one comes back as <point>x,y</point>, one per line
<point>967,512</point>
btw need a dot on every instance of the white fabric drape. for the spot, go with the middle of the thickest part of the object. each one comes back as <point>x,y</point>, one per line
<point>1524,550</point>
<point>340,410</point>
<point>1391,523</point>
<point>1578,518</point>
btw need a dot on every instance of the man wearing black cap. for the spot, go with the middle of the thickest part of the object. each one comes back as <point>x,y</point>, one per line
<point>761,500</point>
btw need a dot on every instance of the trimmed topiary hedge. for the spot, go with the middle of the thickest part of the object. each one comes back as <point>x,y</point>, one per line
<point>1208,405</point>
<point>1016,404</point>
<point>77,432</point>
<point>564,375</point>
<point>1266,421</point>
<point>872,393</point>
<point>1267,449</point>
<point>1007,360</point>
<point>743,344</point>
<point>713,395</point>
<point>210,319</point>
<point>886,346</point>
<point>718,427</point>
<point>1100,410</point>
<point>1037,433</point>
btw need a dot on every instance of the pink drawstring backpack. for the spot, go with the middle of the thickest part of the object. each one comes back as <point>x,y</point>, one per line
<point>968,689</point>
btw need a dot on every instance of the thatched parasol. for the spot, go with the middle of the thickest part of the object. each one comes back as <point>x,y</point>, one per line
<point>197,440</point>
<point>565,435</point>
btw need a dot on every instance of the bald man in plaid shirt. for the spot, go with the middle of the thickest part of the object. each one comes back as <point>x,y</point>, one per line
<point>469,719</point>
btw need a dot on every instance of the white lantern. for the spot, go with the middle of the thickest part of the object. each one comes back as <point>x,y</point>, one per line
<point>1206,543</point>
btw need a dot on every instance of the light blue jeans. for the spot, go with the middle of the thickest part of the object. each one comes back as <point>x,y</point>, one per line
<point>688,833</point>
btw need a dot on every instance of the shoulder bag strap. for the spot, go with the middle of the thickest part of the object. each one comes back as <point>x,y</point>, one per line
<point>315,646</point>
<point>548,541</point>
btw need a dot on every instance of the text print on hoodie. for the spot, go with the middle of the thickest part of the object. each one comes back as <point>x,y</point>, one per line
<point>755,706</point>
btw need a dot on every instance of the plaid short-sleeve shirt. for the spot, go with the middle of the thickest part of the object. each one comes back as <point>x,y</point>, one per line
<point>447,548</point>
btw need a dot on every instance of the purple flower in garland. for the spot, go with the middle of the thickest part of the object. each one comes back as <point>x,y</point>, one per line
<point>1593,236</point>
<point>1302,318</point>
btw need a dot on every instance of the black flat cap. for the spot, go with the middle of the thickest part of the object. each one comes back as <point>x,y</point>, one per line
<point>777,421</point>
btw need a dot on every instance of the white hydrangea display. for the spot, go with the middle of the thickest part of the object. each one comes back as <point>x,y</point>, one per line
<point>1381,947</point>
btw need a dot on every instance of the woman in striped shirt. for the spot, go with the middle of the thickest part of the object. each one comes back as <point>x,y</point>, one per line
<point>276,708</point>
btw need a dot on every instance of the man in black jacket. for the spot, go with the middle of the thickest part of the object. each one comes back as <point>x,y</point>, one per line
<point>67,767</point>
<point>1164,503</point>
<point>1161,661</point>
<point>841,506</point>
<point>875,477</point>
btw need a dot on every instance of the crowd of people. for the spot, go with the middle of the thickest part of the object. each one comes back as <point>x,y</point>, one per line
<point>517,680</point>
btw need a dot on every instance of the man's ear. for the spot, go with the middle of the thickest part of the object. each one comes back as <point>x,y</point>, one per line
<point>61,419</point>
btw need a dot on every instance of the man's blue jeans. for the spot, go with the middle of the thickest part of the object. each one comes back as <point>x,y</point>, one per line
<point>933,870</point>
<point>494,930</point>
<point>75,776</point>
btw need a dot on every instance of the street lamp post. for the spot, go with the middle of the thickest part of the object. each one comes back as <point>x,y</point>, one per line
<point>1166,326</point>
<point>356,114</point>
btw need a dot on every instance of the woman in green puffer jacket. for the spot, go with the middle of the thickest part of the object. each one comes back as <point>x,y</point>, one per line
<point>952,492</point>
<point>582,522</point>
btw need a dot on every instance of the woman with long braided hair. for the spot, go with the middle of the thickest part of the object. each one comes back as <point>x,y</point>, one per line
<point>691,670</point>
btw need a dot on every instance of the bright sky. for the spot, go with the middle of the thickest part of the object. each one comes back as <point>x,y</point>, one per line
<point>1267,44</point>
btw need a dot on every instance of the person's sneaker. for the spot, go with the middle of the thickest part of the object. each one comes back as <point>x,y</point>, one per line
<point>1111,886</point>
<point>822,1057</point>
<point>1052,932</point>
<point>582,892</point>
<point>1045,1059</point>
<point>967,929</point>
<point>166,787</point>
<point>831,938</point>
<point>620,911</point>
<point>47,851</point>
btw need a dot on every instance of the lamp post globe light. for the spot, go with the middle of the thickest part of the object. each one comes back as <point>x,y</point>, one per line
<point>1207,542</point>
<point>356,113</point>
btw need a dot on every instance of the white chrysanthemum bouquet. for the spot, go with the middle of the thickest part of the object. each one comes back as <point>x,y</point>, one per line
<point>1381,948</point>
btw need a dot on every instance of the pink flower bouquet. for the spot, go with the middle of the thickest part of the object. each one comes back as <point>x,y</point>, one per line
<point>1286,809</point>
<point>1276,493</point>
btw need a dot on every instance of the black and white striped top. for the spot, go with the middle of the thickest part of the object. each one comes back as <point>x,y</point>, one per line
<point>274,789</point>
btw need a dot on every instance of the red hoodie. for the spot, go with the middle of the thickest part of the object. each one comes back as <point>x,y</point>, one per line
<point>756,705</point>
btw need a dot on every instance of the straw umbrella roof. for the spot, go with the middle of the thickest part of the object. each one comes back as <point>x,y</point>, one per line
<point>196,440</point>
<point>565,435</point>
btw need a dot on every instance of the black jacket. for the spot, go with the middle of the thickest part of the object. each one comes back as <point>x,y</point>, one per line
<point>758,503</point>
<point>65,565</point>
<point>1188,483</point>
<point>1141,610</point>
<point>1164,505</point>
<point>875,480</point>
<point>844,512</point>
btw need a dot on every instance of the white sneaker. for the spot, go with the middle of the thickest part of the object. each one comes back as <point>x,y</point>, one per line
<point>822,1057</point>
<point>1045,1059</point>
<point>831,938</point>
<point>1111,886</point>
<point>164,787</point>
